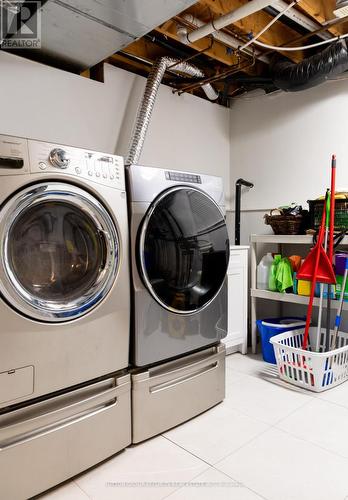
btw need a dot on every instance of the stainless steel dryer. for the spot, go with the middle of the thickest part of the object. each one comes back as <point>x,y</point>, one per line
<point>65,313</point>
<point>180,253</point>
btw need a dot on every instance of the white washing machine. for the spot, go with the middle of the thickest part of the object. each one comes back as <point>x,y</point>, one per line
<point>180,253</point>
<point>65,313</point>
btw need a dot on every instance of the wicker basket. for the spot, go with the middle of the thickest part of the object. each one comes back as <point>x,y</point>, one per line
<point>284,224</point>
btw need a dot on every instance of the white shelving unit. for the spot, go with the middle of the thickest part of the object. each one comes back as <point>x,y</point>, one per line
<point>278,240</point>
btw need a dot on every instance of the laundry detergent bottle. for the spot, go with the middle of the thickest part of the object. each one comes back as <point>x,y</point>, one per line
<point>272,278</point>
<point>263,271</point>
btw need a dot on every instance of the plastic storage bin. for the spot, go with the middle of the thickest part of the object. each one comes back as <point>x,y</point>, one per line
<point>315,371</point>
<point>340,263</point>
<point>270,327</point>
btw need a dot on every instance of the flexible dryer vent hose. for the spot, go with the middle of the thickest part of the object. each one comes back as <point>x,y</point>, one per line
<point>149,98</point>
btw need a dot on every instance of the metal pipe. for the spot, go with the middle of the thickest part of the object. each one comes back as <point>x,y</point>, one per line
<point>222,37</point>
<point>239,184</point>
<point>193,56</point>
<point>301,19</point>
<point>229,18</point>
<point>149,98</point>
<point>231,41</point>
<point>215,78</point>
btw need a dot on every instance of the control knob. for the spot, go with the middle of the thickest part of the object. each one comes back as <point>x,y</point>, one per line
<point>59,158</point>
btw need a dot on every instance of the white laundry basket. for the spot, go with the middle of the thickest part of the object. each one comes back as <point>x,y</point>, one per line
<point>315,371</point>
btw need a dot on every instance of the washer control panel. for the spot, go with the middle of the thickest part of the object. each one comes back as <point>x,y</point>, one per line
<point>102,168</point>
<point>14,158</point>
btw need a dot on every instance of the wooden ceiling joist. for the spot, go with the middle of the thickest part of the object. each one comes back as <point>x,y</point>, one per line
<point>322,11</point>
<point>216,58</point>
<point>145,49</point>
<point>147,52</point>
<point>275,35</point>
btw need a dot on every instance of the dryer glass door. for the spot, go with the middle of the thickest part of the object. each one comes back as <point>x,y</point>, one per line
<point>183,249</point>
<point>59,252</point>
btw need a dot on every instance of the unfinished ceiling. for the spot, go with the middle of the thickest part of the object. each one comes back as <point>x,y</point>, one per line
<point>80,35</point>
<point>234,72</point>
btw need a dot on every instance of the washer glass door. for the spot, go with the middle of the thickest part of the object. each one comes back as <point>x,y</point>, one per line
<point>59,252</point>
<point>183,249</point>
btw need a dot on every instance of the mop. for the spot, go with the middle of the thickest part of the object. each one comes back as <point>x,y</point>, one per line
<point>331,248</point>
<point>322,285</point>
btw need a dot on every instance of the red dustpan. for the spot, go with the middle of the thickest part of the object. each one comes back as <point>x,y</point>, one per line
<point>325,273</point>
<point>317,257</point>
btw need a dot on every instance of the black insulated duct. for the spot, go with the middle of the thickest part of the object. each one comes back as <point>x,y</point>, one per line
<point>312,71</point>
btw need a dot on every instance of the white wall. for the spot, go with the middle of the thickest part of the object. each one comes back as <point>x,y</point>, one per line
<point>40,102</point>
<point>283,144</point>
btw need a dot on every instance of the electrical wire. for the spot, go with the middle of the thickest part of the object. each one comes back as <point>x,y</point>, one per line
<point>304,47</point>
<point>274,20</point>
<point>256,41</point>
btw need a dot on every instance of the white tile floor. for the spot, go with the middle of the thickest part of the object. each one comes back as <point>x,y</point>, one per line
<point>267,440</point>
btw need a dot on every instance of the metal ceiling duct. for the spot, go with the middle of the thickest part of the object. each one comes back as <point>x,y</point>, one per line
<point>149,98</point>
<point>77,34</point>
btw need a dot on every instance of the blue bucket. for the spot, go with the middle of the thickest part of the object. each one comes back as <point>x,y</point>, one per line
<point>270,327</point>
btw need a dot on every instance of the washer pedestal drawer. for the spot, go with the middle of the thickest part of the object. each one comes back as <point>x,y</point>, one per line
<point>51,440</point>
<point>169,394</point>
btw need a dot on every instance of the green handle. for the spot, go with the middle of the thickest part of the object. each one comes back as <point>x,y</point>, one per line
<point>327,198</point>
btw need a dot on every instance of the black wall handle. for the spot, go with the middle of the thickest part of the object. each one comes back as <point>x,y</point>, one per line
<point>239,184</point>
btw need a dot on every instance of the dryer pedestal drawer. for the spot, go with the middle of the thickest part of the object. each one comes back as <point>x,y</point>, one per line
<point>47,442</point>
<point>169,394</point>
<point>16,383</point>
